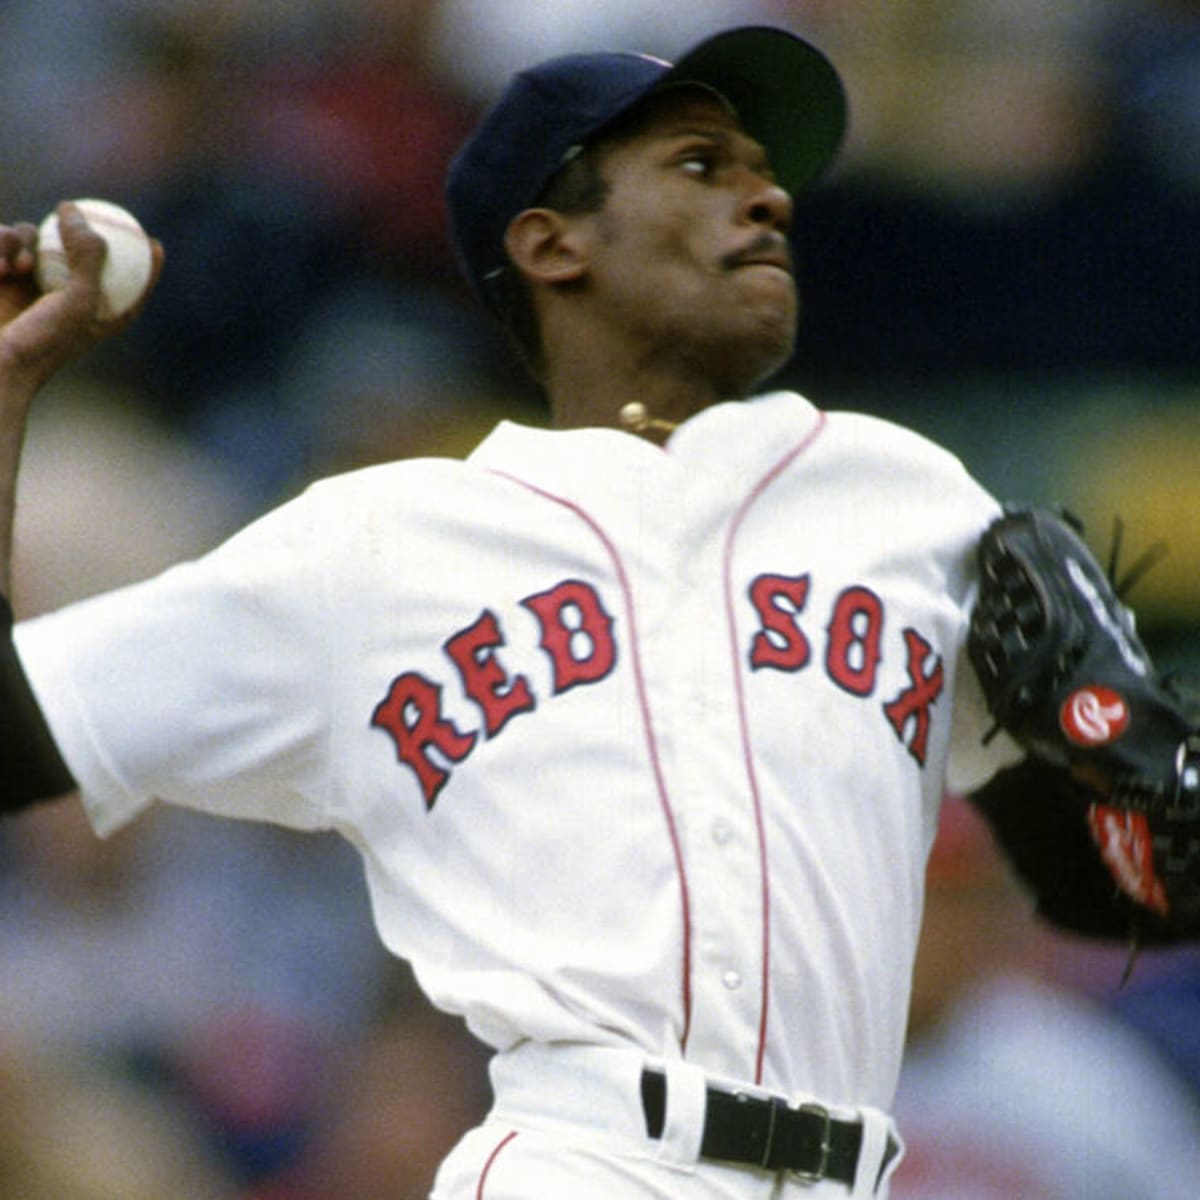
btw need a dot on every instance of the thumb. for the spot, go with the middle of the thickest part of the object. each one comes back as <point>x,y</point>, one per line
<point>60,324</point>
<point>86,252</point>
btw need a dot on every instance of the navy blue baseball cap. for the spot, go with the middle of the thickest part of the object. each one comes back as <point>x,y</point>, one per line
<point>784,91</point>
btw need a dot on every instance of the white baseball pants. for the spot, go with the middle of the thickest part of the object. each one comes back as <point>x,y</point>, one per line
<point>568,1124</point>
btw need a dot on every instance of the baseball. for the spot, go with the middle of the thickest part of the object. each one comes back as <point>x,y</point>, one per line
<point>127,266</point>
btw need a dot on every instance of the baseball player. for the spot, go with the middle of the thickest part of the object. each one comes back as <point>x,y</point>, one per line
<point>642,723</point>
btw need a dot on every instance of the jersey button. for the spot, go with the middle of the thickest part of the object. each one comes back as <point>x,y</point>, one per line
<point>722,833</point>
<point>732,980</point>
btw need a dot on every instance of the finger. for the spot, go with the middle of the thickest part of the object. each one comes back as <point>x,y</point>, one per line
<point>17,244</point>
<point>86,251</point>
<point>157,260</point>
<point>85,248</point>
<point>158,257</point>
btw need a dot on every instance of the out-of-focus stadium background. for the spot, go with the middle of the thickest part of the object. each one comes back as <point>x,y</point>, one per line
<point>1007,258</point>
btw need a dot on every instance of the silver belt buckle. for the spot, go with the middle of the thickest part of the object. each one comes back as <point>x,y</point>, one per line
<point>817,1175</point>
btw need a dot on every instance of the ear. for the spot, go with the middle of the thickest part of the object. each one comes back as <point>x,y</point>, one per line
<point>546,246</point>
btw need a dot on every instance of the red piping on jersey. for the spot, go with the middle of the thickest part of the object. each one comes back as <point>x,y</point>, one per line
<point>744,725</point>
<point>487,1166</point>
<point>651,740</point>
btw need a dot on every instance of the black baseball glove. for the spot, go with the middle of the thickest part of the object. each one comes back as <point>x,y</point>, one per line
<point>1065,674</point>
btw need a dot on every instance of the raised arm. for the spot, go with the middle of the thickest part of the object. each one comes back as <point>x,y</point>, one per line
<point>39,334</point>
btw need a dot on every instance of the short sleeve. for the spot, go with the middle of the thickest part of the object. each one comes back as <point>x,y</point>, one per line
<point>206,686</point>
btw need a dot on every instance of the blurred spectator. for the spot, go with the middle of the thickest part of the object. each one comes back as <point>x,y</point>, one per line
<point>277,193</point>
<point>1165,1008</point>
<point>109,496</point>
<point>380,374</point>
<point>479,43</point>
<point>1156,55</point>
<point>71,1132</point>
<point>989,214</point>
<point>1135,458</point>
<point>1014,1085</point>
<point>222,967</point>
<point>138,944</point>
<point>368,128</point>
<point>70,76</point>
<point>401,1101</point>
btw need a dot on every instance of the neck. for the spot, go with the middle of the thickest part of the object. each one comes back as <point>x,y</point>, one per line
<point>616,391</point>
<point>597,363</point>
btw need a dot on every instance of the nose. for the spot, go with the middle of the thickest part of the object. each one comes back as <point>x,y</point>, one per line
<point>767,204</point>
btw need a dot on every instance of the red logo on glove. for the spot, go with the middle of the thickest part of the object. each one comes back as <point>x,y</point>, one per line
<point>1127,847</point>
<point>1094,716</point>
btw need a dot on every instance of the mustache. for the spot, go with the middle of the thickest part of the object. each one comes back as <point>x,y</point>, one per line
<point>767,247</point>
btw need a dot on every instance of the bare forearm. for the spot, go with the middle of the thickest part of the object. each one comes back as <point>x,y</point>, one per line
<point>39,334</point>
<point>18,382</point>
<point>31,768</point>
<point>14,407</point>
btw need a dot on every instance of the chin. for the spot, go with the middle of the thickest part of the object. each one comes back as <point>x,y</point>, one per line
<point>741,347</point>
<point>742,381</point>
<point>760,358</point>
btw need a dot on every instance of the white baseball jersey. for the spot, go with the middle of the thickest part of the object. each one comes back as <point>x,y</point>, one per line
<point>641,747</point>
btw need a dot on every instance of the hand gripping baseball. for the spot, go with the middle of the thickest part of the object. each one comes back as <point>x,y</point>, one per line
<point>39,333</point>
<point>1064,673</point>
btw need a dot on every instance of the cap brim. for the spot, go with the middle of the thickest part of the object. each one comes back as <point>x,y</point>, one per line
<point>786,93</point>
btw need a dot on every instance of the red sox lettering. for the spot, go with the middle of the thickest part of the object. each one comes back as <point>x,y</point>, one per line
<point>853,650</point>
<point>577,637</point>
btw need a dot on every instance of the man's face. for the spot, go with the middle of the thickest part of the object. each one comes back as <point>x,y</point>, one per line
<point>689,252</point>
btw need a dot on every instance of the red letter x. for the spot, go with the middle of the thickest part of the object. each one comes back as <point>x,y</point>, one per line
<point>913,703</point>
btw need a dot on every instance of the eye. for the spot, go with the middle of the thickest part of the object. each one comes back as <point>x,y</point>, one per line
<point>700,163</point>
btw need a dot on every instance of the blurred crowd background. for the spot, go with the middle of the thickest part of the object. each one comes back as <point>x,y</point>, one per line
<point>1007,258</point>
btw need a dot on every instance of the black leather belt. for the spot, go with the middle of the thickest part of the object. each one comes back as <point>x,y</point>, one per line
<point>767,1133</point>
